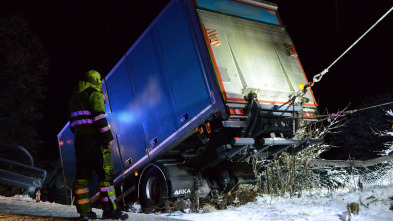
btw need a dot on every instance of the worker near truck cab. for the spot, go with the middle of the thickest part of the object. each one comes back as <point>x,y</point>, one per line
<point>93,139</point>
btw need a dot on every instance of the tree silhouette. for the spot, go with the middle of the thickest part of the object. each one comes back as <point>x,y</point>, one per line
<point>362,138</point>
<point>23,66</point>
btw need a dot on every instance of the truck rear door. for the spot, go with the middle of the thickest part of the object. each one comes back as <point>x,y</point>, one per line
<point>251,51</point>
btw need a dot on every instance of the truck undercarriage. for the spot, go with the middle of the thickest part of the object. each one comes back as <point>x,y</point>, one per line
<point>216,158</point>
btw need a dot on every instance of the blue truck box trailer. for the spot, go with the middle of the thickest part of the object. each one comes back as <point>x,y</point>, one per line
<point>205,87</point>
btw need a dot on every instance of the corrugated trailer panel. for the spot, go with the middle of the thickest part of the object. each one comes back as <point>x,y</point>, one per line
<point>153,99</point>
<point>124,123</point>
<point>204,55</point>
<point>167,80</point>
<point>171,89</point>
<point>115,149</point>
<point>181,66</point>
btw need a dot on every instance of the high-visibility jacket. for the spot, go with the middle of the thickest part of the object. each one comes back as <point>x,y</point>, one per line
<point>88,112</point>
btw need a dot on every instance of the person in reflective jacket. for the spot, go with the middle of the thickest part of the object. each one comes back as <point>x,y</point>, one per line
<point>93,139</point>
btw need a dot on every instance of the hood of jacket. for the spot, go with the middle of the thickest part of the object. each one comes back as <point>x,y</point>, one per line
<point>83,85</point>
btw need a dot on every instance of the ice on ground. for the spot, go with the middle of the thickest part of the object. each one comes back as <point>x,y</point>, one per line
<point>23,197</point>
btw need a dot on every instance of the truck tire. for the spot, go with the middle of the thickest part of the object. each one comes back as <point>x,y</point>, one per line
<point>153,189</point>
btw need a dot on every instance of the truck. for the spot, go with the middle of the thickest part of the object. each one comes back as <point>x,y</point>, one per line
<point>209,85</point>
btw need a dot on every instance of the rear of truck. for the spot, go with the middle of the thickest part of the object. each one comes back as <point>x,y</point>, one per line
<point>260,77</point>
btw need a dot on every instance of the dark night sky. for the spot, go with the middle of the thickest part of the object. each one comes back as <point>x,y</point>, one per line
<point>81,35</point>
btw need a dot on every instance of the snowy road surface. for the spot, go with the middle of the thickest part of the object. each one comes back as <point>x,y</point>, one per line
<point>375,203</point>
<point>50,211</point>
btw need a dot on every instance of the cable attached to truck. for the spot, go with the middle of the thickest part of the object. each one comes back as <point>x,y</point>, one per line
<point>319,76</point>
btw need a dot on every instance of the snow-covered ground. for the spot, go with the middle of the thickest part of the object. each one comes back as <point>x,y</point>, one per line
<point>375,203</point>
<point>27,209</point>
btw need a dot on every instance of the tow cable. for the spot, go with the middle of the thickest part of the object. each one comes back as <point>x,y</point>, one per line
<point>344,113</point>
<point>318,77</point>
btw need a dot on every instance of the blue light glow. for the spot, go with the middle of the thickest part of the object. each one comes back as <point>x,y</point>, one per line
<point>125,117</point>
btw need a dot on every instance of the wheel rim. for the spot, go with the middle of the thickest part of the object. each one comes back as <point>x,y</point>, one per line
<point>153,189</point>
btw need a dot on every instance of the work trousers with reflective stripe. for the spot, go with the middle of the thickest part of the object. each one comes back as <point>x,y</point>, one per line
<point>91,155</point>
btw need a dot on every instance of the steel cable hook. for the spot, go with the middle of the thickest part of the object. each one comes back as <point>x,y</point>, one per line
<point>319,76</point>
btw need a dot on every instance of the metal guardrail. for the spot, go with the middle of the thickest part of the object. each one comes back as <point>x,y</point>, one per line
<point>28,183</point>
<point>352,163</point>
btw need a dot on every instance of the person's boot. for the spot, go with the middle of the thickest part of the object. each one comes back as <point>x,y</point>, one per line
<point>114,214</point>
<point>88,215</point>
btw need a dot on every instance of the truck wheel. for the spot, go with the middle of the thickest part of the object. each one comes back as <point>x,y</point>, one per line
<point>153,188</point>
